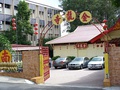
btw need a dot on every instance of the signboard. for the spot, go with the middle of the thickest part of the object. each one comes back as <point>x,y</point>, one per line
<point>5,56</point>
<point>57,19</point>
<point>85,17</point>
<point>70,16</point>
<point>44,62</point>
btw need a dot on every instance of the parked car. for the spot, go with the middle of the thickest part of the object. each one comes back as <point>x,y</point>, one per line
<point>96,63</point>
<point>78,63</point>
<point>50,62</point>
<point>61,62</point>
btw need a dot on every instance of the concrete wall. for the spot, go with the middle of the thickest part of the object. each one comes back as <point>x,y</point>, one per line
<point>71,50</point>
<point>114,65</point>
<point>30,66</point>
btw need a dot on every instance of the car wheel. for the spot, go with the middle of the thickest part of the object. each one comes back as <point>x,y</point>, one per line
<point>55,67</point>
<point>66,66</point>
<point>89,68</point>
<point>81,66</point>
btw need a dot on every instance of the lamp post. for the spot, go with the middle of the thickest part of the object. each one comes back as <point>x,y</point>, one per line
<point>106,56</point>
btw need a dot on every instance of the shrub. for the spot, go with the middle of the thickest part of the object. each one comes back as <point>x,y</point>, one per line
<point>55,57</point>
<point>71,57</point>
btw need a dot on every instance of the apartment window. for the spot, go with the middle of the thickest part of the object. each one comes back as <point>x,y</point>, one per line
<point>8,23</point>
<point>56,26</point>
<point>41,12</point>
<point>7,6</point>
<point>42,23</point>
<point>33,11</point>
<point>49,23</point>
<point>15,7</point>
<point>55,11</point>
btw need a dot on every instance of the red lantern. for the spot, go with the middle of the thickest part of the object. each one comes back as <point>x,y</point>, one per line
<point>13,24</point>
<point>35,24</point>
<point>36,33</point>
<point>13,19</point>
<point>104,21</point>
<point>35,28</point>
<point>14,28</point>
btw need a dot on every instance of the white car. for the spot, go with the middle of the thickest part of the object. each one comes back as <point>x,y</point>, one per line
<point>96,63</point>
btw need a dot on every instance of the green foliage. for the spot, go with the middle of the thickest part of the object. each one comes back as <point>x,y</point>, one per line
<point>4,43</point>
<point>100,9</point>
<point>55,57</point>
<point>116,3</point>
<point>71,57</point>
<point>24,27</point>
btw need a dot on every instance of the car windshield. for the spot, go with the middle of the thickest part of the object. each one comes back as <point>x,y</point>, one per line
<point>60,59</point>
<point>78,59</point>
<point>96,59</point>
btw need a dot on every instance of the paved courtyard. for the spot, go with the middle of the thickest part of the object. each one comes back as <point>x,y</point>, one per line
<point>84,77</point>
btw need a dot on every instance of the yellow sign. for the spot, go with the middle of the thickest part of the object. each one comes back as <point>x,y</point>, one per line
<point>70,16</point>
<point>5,56</point>
<point>85,17</point>
<point>57,19</point>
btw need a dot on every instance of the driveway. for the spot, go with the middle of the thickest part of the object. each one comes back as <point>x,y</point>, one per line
<point>84,77</point>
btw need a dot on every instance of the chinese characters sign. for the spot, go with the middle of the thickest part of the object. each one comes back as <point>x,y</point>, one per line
<point>5,56</point>
<point>85,17</point>
<point>57,19</point>
<point>70,16</point>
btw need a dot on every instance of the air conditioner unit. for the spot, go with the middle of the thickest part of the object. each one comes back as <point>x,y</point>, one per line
<point>0,5</point>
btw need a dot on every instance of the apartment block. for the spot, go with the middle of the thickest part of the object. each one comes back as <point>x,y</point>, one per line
<point>40,13</point>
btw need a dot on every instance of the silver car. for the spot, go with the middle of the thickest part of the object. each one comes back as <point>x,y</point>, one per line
<point>78,63</point>
<point>61,62</point>
<point>96,63</point>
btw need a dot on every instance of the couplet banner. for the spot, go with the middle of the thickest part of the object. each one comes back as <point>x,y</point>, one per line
<point>44,62</point>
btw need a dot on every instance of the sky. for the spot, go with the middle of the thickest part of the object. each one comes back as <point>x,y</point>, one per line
<point>53,3</point>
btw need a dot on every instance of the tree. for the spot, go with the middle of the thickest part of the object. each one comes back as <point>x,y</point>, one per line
<point>4,43</point>
<point>23,25</point>
<point>100,9</point>
<point>116,3</point>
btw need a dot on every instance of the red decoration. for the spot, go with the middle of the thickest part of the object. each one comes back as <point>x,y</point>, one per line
<point>35,28</point>
<point>105,27</point>
<point>14,28</point>
<point>104,21</point>
<point>35,24</point>
<point>106,31</point>
<point>36,33</point>
<point>81,45</point>
<point>13,19</point>
<point>14,24</point>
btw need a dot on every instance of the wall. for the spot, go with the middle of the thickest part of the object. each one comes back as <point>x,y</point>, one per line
<point>114,65</point>
<point>71,50</point>
<point>30,66</point>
